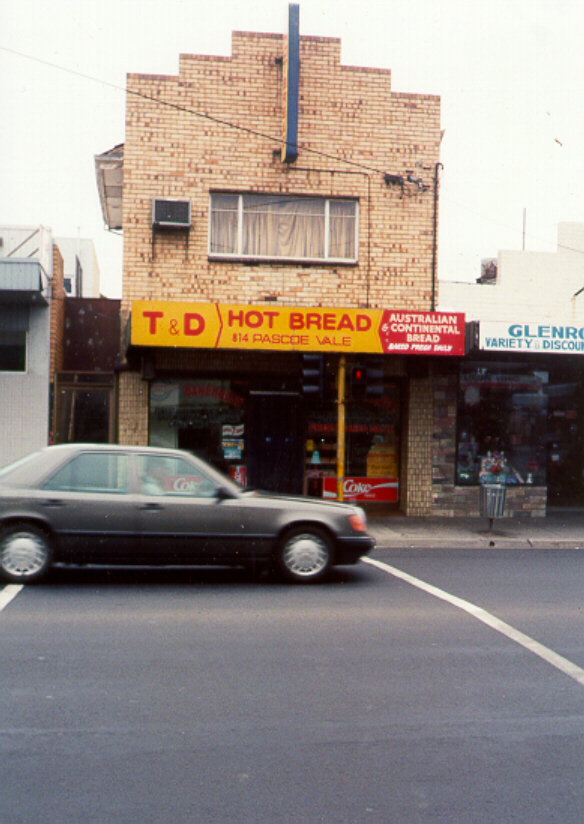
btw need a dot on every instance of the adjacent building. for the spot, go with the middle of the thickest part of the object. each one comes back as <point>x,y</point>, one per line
<point>84,400</point>
<point>31,318</point>
<point>80,267</point>
<point>520,392</point>
<point>57,353</point>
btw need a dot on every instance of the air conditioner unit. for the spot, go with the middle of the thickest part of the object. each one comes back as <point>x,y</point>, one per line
<point>171,213</point>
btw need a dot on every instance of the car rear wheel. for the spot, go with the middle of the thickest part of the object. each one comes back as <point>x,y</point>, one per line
<point>305,555</point>
<point>25,554</point>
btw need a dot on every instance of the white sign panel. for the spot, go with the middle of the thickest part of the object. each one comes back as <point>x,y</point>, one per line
<point>554,338</point>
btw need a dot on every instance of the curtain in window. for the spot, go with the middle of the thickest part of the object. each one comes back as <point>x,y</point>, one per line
<point>283,226</point>
<point>224,218</point>
<point>342,229</point>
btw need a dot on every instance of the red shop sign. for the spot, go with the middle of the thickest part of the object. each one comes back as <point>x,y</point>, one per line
<point>422,333</point>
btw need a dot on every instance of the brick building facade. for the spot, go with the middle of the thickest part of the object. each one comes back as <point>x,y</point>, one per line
<point>354,222</point>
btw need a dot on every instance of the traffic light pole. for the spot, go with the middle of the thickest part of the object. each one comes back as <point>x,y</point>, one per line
<point>341,381</point>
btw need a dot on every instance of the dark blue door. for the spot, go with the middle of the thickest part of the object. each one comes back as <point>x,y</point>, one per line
<point>276,442</point>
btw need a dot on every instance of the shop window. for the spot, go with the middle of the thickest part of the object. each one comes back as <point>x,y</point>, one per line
<point>203,416</point>
<point>371,471</point>
<point>84,408</point>
<point>564,438</point>
<point>12,351</point>
<point>283,227</point>
<point>502,413</point>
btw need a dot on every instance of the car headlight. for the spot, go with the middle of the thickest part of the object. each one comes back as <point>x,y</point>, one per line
<point>358,521</point>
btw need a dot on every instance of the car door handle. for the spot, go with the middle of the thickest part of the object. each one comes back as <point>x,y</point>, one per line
<point>53,502</point>
<point>152,507</point>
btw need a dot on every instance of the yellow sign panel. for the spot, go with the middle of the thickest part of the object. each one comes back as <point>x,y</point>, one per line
<point>285,328</point>
<point>296,328</point>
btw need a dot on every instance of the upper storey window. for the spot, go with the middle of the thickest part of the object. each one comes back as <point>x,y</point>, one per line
<point>283,227</point>
<point>12,351</point>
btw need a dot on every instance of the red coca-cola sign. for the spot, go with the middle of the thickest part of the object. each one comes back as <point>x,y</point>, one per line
<point>382,490</point>
<point>239,474</point>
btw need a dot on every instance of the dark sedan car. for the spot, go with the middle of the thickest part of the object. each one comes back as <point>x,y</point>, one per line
<point>95,504</point>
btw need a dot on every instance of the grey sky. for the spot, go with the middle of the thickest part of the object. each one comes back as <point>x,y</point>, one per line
<point>510,74</point>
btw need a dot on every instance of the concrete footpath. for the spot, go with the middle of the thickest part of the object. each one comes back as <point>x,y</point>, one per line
<point>560,528</point>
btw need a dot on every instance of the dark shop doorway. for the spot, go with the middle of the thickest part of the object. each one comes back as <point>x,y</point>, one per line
<point>276,442</point>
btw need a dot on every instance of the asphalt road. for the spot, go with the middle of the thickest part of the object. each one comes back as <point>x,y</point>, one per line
<point>208,696</point>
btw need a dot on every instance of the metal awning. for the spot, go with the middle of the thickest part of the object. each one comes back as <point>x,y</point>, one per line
<point>109,171</point>
<point>21,281</point>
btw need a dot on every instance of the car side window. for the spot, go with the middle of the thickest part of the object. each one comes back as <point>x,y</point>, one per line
<point>92,472</point>
<point>161,475</point>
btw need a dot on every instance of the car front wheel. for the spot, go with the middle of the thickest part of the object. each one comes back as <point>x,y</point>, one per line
<point>305,555</point>
<point>25,554</point>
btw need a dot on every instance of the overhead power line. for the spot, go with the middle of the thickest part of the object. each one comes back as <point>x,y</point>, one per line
<point>185,109</point>
<point>247,130</point>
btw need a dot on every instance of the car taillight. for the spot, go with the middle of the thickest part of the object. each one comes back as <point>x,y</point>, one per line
<point>358,522</point>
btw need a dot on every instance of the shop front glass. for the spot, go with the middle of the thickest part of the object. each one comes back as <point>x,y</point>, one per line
<point>84,404</point>
<point>277,440</point>
<point>502,424</point>
<point>206,417</point>
<point>371,469</point>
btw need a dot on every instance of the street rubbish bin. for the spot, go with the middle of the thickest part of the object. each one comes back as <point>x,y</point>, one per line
<point>492,502</point>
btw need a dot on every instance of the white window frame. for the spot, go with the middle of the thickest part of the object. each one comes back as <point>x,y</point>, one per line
<point>238,255</point>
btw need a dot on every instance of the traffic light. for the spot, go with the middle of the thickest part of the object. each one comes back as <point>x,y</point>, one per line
<point>358,382</point>
<point>367,380</point>
<point>313,375</point>
<point>374,378</point>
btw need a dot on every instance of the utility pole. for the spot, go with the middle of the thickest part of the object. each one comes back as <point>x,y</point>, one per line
<point>341,383</point>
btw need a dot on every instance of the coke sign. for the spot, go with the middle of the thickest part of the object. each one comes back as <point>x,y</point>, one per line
<point>185,484</point>
<point>378,490</point>
<point>239,475</point>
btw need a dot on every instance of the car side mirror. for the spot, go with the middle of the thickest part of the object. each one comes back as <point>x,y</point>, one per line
<point>223,494</point>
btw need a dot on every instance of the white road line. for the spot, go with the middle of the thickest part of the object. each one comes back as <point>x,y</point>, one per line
<point>8,593</point>
<point>548,655</point>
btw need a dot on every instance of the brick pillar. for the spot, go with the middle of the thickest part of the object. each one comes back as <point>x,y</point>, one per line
<point>133,409</point>
<point>444,491</point>
<point>417,499</point>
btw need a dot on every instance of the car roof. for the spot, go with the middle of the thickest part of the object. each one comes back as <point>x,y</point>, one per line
<point>43,462</point>
<point>111,447</point>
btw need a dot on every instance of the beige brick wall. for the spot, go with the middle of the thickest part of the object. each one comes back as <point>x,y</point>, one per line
<point>180,150</point>
<point>132,409</point>
<point>417,448</point>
